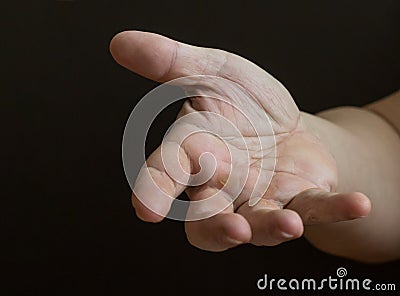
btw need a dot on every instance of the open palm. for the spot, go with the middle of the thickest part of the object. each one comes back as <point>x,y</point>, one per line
<point>274,147</point>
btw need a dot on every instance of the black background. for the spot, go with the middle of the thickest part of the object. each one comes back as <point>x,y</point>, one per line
<point>67,225</point>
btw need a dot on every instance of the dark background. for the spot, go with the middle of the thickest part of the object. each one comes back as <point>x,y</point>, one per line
<point>67,225</point>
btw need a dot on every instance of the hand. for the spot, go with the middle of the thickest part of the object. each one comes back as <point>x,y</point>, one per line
<point>302,188</point>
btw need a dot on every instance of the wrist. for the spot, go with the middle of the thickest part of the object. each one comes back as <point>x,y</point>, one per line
<point>366,149</point>
<point>347,149</point>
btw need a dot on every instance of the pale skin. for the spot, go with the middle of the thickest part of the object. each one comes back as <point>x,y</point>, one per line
<point>337,174</point>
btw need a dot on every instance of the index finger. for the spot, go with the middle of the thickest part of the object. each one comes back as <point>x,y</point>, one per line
<point>155,189</point>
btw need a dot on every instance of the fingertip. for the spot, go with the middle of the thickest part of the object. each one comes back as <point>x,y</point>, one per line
<point>117,43</point>
<point>218,233</point>
<point>148,216</point>
<point>147,54</point>
<point>290,224</point>
<point>360,205</point>
<point>236,229</point>
<point>144,213</point>
<point>271,226</point>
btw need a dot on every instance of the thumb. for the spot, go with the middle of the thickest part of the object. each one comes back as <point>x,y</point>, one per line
<point>162,59</point>
<point>316,206</point>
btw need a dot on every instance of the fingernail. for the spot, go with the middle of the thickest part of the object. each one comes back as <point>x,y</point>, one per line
<point>286,235</point>
<point>234,241</point>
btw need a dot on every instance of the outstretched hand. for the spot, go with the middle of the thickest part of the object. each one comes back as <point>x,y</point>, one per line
<point>303,180</point>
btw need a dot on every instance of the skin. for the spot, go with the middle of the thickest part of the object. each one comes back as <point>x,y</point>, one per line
<point>368,160</point>
<point>320,183</point>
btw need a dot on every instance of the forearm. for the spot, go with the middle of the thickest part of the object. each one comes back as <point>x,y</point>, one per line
<point>366,149</point>
<point>389,109</point>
